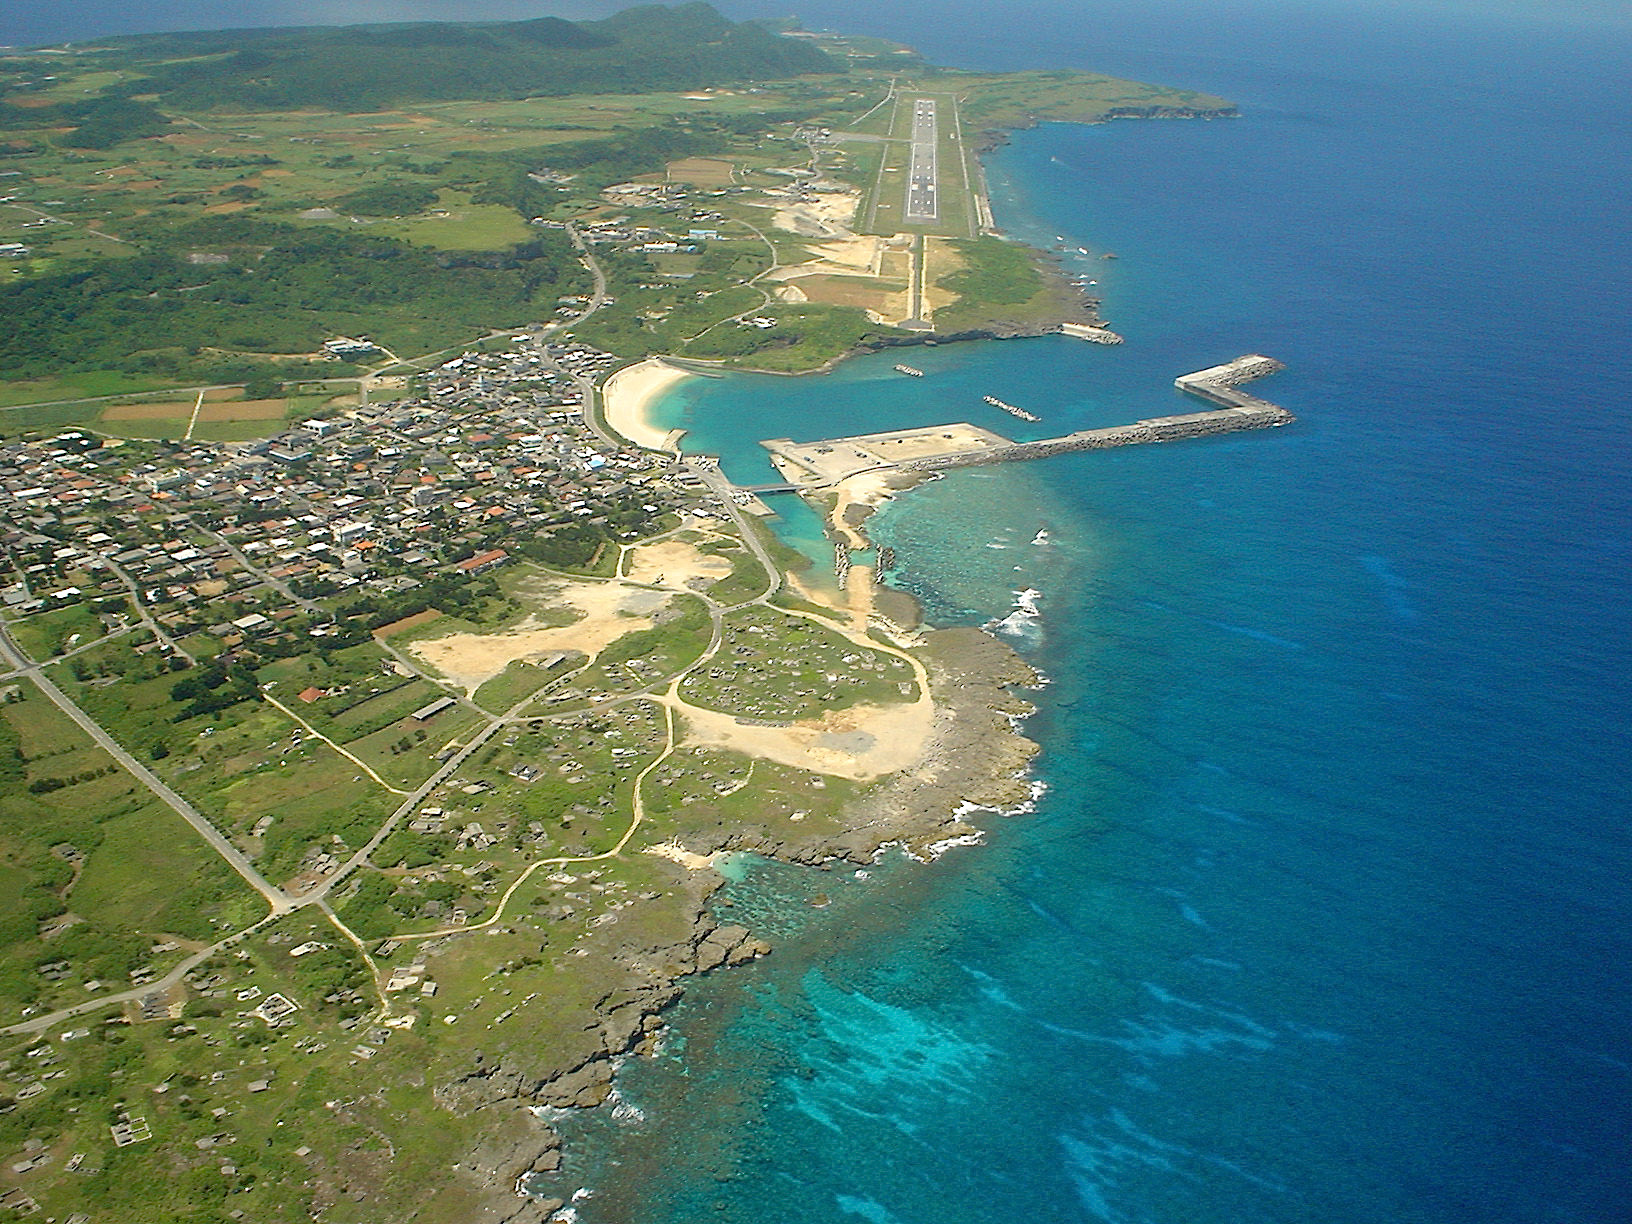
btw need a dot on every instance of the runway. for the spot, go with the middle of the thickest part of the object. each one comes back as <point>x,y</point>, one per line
<point>923,171</point>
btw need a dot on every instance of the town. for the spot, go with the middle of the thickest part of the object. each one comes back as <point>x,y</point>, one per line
<point>372,502</point>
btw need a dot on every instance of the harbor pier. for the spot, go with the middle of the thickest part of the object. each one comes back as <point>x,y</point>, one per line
<point>810,466</point>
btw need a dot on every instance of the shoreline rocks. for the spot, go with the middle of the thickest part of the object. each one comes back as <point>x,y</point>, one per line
<point>977,761</point>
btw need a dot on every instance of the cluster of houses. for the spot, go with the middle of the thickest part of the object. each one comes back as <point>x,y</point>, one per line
<point>241,538</point>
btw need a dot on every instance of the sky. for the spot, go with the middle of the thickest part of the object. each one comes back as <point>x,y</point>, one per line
<point>25,22</point>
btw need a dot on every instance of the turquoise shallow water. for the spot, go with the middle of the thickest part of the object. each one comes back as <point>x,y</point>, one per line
<point>1324,915</point>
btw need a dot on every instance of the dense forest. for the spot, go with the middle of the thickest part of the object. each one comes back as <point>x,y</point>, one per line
<point>149,288</point>
<point>284,289</point>
<point>359,68</point>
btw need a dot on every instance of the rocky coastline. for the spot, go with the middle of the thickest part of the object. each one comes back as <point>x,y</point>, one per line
<point>996,138</point>
<point>977,761</point>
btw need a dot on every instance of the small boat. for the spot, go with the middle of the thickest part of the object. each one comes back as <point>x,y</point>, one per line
<point>906,369</point>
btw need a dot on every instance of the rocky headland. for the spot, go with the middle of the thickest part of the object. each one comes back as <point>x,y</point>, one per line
<point>976,760</point>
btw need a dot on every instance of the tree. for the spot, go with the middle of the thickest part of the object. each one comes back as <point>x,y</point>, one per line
<point>263,386</point>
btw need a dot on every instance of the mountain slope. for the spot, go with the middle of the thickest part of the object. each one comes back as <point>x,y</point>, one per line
<point>355,68</point>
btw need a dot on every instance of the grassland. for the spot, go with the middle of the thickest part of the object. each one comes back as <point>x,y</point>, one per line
<point>235,185</point>
<point>1000,283</point>
<point>95,874</point>
<point>1019,99</point>
<point>351,1105</point>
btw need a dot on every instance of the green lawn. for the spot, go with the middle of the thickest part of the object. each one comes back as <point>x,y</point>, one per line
<point>464,227</point>
<point>79,385</point>
<point>153,874</point>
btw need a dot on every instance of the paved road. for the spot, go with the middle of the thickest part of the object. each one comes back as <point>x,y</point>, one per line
<point>586,386</point>
<point>142,609</point>
<point>279,900</point>
<point>597,297</point>
<point>277,584</point>
<point>723,489</point>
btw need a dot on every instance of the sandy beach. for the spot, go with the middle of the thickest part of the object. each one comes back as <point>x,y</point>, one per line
<point>627,398</point>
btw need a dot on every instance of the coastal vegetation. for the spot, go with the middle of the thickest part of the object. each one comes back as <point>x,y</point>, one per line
<point>188,208</point>
<point>1002,284</point>
<point>642,50</point>
<point>467,665</point>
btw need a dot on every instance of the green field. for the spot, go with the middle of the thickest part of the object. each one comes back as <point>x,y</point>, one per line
<point>216,229</point>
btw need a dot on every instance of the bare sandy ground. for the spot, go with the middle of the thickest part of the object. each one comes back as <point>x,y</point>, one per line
<point>858,585</point>
<point>673,563</point>
<point>870,490</point>
<point>676,853</point>
<point>863,742</point>
<point>627,398</point>
<point>829,213</point>
<point>609,611</point>
<point>847,256</point>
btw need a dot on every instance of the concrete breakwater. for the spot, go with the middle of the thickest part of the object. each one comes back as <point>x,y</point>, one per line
<point>1094,335</point>
<point>1155,429</point>
<point>1218,383</point>
<point>814,465</point>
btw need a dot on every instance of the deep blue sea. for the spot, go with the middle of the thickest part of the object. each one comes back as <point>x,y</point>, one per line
<point>1325,916</point>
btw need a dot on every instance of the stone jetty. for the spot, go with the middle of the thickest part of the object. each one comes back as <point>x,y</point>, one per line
<point>814,465</point>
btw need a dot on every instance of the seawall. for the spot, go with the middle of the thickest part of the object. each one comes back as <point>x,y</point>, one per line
<point>1217,384</point>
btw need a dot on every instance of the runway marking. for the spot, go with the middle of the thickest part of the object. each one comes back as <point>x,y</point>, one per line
<point>923,171</point>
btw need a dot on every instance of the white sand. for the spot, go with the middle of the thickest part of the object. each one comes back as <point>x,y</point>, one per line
<point>609,610</point>
<point>676,853</point>
<point>845,257</point>
<point>863,742</point>
<point>628,395</point>
<point>675,564</point>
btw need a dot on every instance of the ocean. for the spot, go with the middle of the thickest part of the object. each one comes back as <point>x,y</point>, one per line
<point>1324,915</point>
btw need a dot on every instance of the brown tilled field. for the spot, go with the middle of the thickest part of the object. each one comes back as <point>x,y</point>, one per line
<point>863,292</point>
<point>244,410</point>
<point>168,410</point>
<point>702,172</point>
